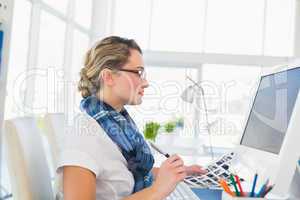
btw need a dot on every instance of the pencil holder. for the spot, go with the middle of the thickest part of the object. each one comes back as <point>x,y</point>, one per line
<point>226,196</point>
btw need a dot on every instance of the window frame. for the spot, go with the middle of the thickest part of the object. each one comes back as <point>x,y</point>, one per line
<point>71,26</point>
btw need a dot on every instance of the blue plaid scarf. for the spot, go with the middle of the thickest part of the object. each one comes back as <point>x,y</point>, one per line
<point>123,131</point>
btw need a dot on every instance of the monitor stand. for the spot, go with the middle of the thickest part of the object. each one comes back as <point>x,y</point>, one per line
<point>294,191</point>
<point>295,185</point>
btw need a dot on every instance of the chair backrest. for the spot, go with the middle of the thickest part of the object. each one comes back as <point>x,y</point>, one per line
<point>26,160</point>
<point>54,128</point>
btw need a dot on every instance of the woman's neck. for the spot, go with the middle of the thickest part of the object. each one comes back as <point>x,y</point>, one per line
<point>108,98</point>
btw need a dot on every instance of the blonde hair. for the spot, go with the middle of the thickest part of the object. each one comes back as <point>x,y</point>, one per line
<point>111,52</point>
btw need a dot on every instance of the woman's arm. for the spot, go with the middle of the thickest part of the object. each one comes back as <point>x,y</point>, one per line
<point>149,193</point>
<point>80,183</point>
<point>155,171</point>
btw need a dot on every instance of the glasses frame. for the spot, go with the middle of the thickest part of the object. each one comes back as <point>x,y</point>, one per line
<point>141,72</point>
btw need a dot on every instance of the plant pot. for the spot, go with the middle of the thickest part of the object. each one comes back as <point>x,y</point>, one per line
<point>166,138</point>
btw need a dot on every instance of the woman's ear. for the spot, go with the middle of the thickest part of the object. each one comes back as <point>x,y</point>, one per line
<point>106,76</point>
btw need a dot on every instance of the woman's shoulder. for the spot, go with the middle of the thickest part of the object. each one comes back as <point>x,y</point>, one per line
<point>80,145</point>
<point>86,144</point>
<point>84,125</point>
<point>84,131</point>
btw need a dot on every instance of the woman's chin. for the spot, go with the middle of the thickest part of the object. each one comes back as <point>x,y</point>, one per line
<point>136,101</point>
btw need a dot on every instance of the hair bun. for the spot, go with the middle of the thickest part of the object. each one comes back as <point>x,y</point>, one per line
<point>85,86</point>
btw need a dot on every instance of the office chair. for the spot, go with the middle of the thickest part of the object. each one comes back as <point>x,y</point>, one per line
<point>54,129</point>
<point>26,160</point>
<point>54,124</point>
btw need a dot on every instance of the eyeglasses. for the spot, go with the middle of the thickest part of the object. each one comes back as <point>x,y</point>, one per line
<point>140,72</point>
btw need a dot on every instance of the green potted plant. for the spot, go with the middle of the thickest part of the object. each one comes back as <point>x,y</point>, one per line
<point>170,126</point>
<point>151,130</point>
<point>168,133</point>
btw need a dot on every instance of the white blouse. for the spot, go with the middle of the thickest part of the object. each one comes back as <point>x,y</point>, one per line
<point>85,144</point>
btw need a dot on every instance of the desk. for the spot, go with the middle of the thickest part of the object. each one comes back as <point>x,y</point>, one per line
<point>206,194</point>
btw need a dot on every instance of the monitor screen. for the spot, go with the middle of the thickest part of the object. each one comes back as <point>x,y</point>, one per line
<point>271,111</point>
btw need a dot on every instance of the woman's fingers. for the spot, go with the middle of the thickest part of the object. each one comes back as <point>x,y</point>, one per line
<point>181,176</point>
<point>173,158</point>
<point>195,170</point>
<point>180,169</point>
<point>177,163</point>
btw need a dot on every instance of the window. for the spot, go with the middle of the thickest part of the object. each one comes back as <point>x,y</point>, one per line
<point>249,27</point>
<point>177,25</point>
<point>80,47</point>
<point>162,101</point>
<point>83,14</point>
<point>51,41</point>
<point>235,27</point>
<point>280,27</point>
<point>50,64</point>
<point>16,70</point>
<point>228,91</point>
<point>232,27</point>
<point>18,60</point>
<point>60,5</point>
<point>132,20</point>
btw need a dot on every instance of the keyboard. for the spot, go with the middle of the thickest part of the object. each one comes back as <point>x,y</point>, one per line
<point>182,192</point>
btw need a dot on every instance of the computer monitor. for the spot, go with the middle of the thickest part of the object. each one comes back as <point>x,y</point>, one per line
<point>270,144</point>
<point>271,111</point>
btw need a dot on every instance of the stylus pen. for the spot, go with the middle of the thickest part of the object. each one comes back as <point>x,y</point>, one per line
<point>262,189</point>
<point>159,150</point>
<point>253,186</point>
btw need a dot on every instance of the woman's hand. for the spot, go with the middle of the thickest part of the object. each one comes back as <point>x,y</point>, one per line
<point>171,172</point>
<point>195,170</point>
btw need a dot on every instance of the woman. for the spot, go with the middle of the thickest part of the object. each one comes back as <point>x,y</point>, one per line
<point>104,156</point>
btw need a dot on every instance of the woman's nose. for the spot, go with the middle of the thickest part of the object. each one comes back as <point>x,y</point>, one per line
<point>145,83</point>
